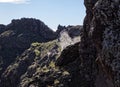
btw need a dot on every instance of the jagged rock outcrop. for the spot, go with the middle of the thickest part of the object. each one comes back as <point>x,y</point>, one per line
<point>73,31</point>
<point>59,29</point>
<point>69,35</point>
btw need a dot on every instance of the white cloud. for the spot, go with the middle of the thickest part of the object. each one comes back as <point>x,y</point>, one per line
<point>14,1</point>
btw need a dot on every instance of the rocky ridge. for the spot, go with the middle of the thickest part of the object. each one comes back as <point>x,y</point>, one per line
<point>69,35</point>
<point>18,36</point>
<point>36,62</point>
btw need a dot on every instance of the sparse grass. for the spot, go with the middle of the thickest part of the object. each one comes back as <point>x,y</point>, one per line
<point>52,64</point>
<point>41,49</point>
<point>45,69</point>
<point>35,44</point>
<point>37,52</point>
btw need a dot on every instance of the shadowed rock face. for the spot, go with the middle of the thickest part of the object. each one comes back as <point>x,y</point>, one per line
<point>102,32</point>
<point>88,67</point>
<point>2,28</point>
<point>109,53</point>
<point>68,55</point>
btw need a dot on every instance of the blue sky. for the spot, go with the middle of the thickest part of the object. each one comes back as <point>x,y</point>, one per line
<point>51,12</point>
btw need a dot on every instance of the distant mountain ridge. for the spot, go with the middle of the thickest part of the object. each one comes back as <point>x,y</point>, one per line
<point>18,36</point>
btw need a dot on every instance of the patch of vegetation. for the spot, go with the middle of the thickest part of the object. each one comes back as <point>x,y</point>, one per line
<point>37,52</point>
<point>52,64</point>
<point>42,49</point>
<point>35,44</point>
<point>47,70</point>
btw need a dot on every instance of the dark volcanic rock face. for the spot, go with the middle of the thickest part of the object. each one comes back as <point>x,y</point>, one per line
<point>101,30</point>
<point>109,21</point>
<point>65,58</point>
<point>88,67</point>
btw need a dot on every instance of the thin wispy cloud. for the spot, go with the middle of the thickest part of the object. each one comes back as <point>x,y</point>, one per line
<point>15,1</point>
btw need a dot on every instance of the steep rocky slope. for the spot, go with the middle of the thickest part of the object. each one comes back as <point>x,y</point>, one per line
<point>28,65</point>
<point>18,36</point>
<point>37,63</point>
<point>37,66</point>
